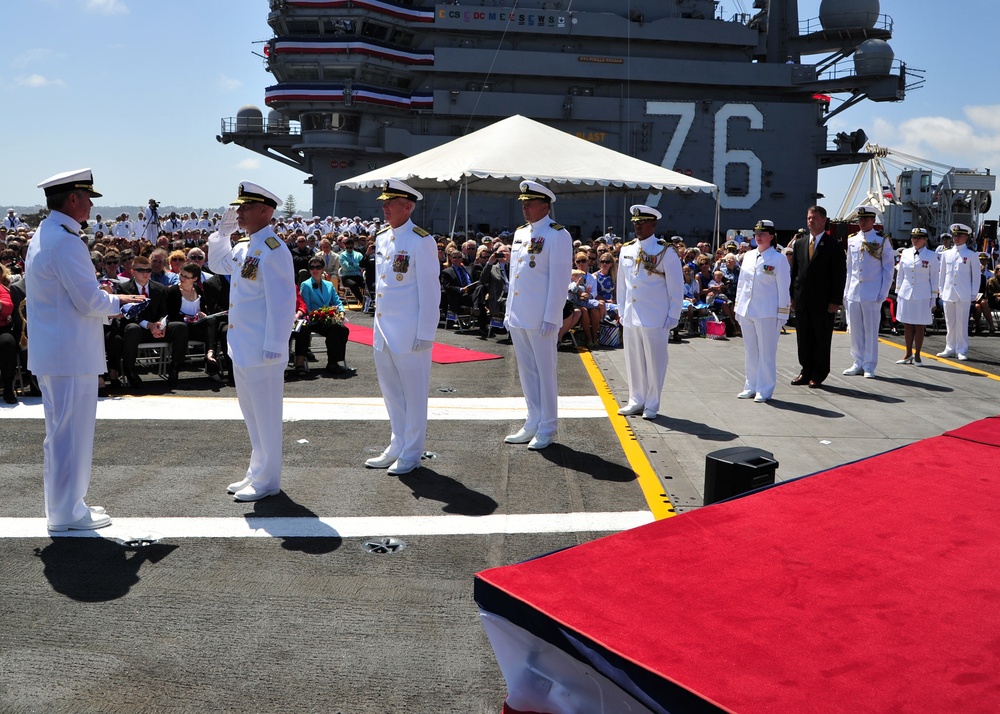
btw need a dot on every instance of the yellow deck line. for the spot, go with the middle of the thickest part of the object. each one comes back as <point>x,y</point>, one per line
<point>960,365</point>
<point>659,502</point>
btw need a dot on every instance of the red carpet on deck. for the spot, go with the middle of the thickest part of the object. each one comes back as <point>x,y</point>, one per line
<point>442,354</point>
<point>871,587</point>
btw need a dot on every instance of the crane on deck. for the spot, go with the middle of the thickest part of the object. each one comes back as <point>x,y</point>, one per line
<point>925,194</point>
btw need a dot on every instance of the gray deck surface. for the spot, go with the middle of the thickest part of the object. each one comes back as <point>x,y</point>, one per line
<point>278,624</point>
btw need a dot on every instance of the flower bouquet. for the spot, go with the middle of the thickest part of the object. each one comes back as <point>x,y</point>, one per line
<point>326,316</point>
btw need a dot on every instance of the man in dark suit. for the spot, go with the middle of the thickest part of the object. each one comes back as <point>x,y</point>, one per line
<point>456,281</point>
<point>146,325</point>
<point>819,271</point>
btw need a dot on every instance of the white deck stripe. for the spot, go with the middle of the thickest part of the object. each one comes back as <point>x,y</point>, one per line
<point>179,408</point>
<point>333,527</point>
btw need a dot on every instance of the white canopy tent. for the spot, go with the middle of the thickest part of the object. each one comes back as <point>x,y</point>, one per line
<point>491,159</point>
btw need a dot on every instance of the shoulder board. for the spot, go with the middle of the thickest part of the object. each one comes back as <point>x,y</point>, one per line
<point>272,243</point>
<point>69,230</point>
<point>524,226</point>
<point>383,230</point>
<point>420,231</point>
<point>245,239</point>
<point>556,226</point>
<point>629,242</point>
<point>662,241</point>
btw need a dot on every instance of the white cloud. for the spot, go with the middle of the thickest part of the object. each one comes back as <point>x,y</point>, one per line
<point>973,142</point>
<point>228,84</point>
<point>249,164</point>
<point>36,81</point>
<point>107,7</point>
<point>34,56</point>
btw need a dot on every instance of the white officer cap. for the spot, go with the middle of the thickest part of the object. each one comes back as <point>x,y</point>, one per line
<point>79,180</point>
<point>252,193</point>
<point>866,211</point>
<point>644,213</point>
<point>531,190</point>
<point>944,235</point>
<point>764,226</point>
<point>919,233</point>
<point>957,228</point>
<point>394,188</point>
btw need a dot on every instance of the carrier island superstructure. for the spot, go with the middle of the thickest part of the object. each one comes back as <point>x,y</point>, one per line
<point>741,101</point>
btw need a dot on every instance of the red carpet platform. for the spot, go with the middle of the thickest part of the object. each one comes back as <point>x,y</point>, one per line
<point>872,587</point>
<point>442,354</point>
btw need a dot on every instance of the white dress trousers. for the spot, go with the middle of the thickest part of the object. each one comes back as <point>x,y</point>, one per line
<point>536,368</point>
<point>956,318</point>
<point>259,392</point>
<point>70,407</point>
<point>760,353</point>
<point>645,364</point>
<point>405,379</point>
<point>864,318</point>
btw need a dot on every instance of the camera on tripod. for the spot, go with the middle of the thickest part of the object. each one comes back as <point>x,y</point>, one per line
<point>154,204</point>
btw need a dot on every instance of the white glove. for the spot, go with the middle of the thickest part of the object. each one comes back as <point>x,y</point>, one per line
<point>228,223</point>
<point>422,345</point>
<point>670,324</point>
<point>269,356</point>
<point>547,329</point>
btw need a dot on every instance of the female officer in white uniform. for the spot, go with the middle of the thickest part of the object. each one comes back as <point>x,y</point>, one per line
<point>916,291</point>
<point>762,297</point>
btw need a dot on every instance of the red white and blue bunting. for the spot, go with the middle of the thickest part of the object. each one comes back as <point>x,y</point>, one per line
<point>334,92</point>
<point>374,5</point>
<point>285,45</point>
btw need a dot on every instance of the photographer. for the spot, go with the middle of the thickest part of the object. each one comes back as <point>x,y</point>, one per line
<point>151,228</point>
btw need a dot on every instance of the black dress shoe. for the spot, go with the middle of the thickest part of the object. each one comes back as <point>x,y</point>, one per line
<point>8,395</point>
<point>337,370</point>
<point>800,380</point>
<point>172,378</point>
<point>311,357</point>
<point>813,384</point>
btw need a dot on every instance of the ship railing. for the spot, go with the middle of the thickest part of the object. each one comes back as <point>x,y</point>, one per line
<point>258,125</point>
<point>846,69</point>
<point>850,20</point>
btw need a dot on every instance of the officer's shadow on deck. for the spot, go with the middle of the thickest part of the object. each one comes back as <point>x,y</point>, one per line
<point>594,465</point>
<point>90,568</point>
<point>297,527</point>
<point>458,498</point>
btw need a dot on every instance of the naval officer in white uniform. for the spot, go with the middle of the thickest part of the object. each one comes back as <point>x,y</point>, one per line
<point>650,299</point>
<point>67,347</point>
<point>869,278</point>
<point>261,314</point>
<point>541,265</point>
<point>407,308</point>
<point>959,279</point>
<point>762,298</point>
<point>916,291</point>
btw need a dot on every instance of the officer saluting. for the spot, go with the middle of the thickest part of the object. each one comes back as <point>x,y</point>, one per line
<point>541,263</point>
<point>959,279</point>
<point>650,298</point>
<point>261,313</point>
<point>407,302</point>
<point>869,276</point>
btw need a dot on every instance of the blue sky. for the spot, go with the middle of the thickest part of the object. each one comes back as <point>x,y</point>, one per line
<point>136,90</point>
